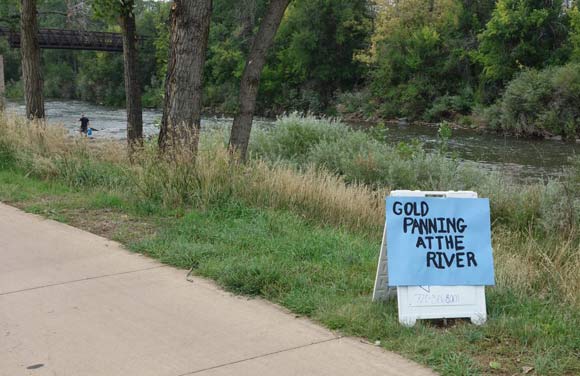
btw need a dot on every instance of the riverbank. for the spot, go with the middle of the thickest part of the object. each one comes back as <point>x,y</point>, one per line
<point>468,124</point>
<point>308,240</point>
<point>528,160</point>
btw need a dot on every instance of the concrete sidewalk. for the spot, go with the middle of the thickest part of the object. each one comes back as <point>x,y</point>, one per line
<point>73,303</point>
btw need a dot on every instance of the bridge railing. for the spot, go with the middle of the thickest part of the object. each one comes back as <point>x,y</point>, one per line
<point>70,39</point>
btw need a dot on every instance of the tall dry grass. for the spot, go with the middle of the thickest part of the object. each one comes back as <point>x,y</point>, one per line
<point>536,243</point>
<point>541,267</point>
<point>314,194</point>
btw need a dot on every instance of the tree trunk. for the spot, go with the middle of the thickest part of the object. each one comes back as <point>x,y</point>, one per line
<point>181,121</point>
<point>247,20</point>
<point>2,87</point>
<point>132,88</point>
<point>240,135</point>
<point>30,50</point>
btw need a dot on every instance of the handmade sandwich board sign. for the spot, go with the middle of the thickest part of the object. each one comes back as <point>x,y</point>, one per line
<point>440,241</point>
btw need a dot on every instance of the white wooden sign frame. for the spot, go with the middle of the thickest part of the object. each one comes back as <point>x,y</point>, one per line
<point>430,302</point>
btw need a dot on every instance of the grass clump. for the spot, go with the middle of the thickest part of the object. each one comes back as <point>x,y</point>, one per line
<point>295,228</point>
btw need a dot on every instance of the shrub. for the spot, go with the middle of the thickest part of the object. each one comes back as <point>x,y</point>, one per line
<point>542,103</point>
<point>449,106</point>
<point>15,90</point>
<point>489,117</point>
<point>523,100</point>
<point>359,103</point>
<point>356,155</point>
<point>152,97</point>
<point>293,136</point>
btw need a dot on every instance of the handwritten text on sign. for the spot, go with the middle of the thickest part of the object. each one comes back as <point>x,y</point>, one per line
<point>439,241</point>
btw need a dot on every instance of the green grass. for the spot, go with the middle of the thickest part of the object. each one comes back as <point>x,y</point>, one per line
<point>296,233</point>
<point>321,272</point>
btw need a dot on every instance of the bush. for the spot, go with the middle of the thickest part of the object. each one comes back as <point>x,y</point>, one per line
<point>221,98</point>
<point>489,117</point>
<point>152,97</point>
<point>450,106</point>
<point>294,136</point>
<point>541,103</point>
<point>59,80</point>
<point>356,155</point>
<point>15,90</point>
<point>359,103</point>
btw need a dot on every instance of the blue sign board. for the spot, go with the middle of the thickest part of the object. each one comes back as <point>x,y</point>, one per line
<point>439,241</point>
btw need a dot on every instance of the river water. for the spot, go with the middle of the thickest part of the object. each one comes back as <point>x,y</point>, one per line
<point>521,158</point>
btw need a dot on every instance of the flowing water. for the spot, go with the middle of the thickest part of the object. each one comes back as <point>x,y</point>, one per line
<point>522,158</point>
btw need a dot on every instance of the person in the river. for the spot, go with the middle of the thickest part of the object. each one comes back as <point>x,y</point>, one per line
<point>84,124</point>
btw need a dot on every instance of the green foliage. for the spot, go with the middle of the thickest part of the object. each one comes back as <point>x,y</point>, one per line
<point>15,90</point>
<point>359,104</point>
<point>11,61</point>
<point>360,59</point>
<point>421,61</point>
<point>59,72</point>
<point>161,41</point>
<point>314,50</point>
<point>294,136</point>
<point>90,75</point>
<point>379,132</point>
<point>357,156</point>
<point>444,135</point>
<point>521,34</point>
<point>574,36</point>
<point>312,57</point>
<point>542,103</point>
<point>224,67</point>
<point>111,10</point>
<point>450,106</point>
<point>101,78</point>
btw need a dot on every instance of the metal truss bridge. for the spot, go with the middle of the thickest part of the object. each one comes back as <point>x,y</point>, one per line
<point>70,39</point>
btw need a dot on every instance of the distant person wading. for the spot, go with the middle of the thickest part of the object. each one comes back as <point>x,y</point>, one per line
<point>84,124</point>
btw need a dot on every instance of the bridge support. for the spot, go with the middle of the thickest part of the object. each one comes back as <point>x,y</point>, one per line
<point>2,86</point>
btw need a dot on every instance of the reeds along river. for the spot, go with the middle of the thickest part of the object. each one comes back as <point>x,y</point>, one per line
<point>522,158</point>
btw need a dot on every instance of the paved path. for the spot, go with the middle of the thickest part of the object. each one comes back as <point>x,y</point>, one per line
<point>73,303</point>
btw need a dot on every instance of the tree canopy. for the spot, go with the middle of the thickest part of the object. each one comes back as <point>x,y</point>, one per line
<point>427,60</point>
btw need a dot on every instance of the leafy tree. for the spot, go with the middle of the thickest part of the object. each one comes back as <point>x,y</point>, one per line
<point>11,61</point>
<point>414,55</point>
<point>231,33</point>
<point>100,78</point>
<point>521,34</point>
<point>10,14</point>
<point>315,53</point>
<point>574,36</point>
